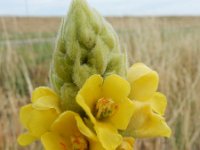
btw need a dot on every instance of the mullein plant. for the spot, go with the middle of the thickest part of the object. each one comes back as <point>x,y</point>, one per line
<point>96,102</point>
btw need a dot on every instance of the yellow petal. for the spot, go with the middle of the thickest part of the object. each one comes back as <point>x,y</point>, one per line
<point>47,102</point>
<point>156,128</point>
<point>37,121</point>
<point>69,124</point>
<point>123,114</point>
<point>52,141</point>
<point>91,90</point>
<point>143,80</point>
<point>84,129</point>
<point>129,140</point>
<point>146,123</point>
<point>116,87</point>
<point>25,139</point>
<point>108,136</point>
<point>82,102</point>
<point>158,103</point>
<point>65,125</point>
<point>40,121</point>
<point>42,91</point>
<point>127,144</point>
<point>95,145</point>
<point>25,112</point>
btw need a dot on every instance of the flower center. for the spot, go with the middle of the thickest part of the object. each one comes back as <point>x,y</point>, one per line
<point>105,108</point>
<point>79,143</point>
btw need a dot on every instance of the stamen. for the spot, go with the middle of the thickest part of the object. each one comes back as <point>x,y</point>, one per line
<point>105,108</point>
<point>79,143</point>
<point>64,147</point>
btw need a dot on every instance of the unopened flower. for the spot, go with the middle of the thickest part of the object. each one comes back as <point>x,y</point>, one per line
<point>87,44</point>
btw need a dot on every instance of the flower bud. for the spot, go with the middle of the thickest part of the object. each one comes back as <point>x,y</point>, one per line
<point>86,45</point>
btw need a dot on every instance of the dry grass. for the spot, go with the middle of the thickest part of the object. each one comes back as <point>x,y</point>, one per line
<point>169,45</point>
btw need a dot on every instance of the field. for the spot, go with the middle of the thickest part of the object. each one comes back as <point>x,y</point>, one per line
<point>170,45</point>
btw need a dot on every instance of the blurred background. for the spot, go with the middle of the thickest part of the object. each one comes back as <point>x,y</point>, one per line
<point>164,34</point>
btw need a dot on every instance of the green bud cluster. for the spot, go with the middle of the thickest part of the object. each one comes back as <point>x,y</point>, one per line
<point>86,45</point>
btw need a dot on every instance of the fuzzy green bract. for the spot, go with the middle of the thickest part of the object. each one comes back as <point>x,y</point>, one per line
<point>86,45</point>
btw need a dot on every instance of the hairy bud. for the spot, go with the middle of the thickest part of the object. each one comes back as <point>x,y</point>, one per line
<point>86,45</point>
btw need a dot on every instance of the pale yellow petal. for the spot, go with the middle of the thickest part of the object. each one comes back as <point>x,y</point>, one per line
<point>25,112</point>
<point>37,121</point>
<point>26,139</point>
<point>47,102</point>
<point>158,103</point>
<point>127,144</point>
<point>65,125</point>
<point>143,80</point>
<point>108,136</point>
<point>156,128</point>
<point>42,91</point>
<point>123,114</point>
<point>82,102</point>
<point>40,121</point>
<point>70,124</point>
<point>84,129</point>
<point>95,145</point>
<point>116,88</point>
<point>146,123</point>
<point>129,140</point>
<point>52,141</point>
<point>91,90</point>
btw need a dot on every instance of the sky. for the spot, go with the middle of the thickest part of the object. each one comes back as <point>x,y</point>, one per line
<point>105,7</point>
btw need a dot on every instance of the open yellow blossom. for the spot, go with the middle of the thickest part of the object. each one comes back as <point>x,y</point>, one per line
<point>147,120</point>
<point>69,132</point>
<point>108,107</point>
<point>38,116</point>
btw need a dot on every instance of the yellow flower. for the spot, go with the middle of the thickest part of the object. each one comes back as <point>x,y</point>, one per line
<point>146,123</point>
<point>108,107</point>
<point>147,120</point>
<point>69,132</point>
<point>127,144</point>
<point>38,116</point>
